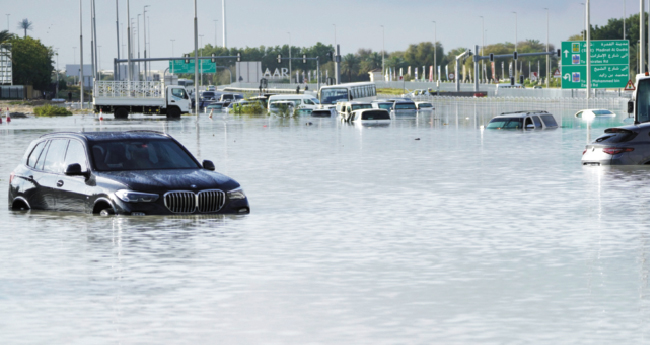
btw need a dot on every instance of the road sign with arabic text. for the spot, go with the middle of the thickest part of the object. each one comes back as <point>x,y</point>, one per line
<point>610,64</point>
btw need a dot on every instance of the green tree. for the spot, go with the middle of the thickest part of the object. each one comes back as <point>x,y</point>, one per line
<point>350,65</point>
<point>33,64</point>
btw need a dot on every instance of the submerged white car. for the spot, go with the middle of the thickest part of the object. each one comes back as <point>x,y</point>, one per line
<point>368,116</point>
<point>590,114</point>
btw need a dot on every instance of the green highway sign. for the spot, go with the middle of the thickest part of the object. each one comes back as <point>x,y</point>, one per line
<point>180,67</point>
<point>610,64</point>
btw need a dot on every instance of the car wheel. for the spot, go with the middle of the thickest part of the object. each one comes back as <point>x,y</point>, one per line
<point>121,113</point>
<point>106,212</point>
<point>173,113</point>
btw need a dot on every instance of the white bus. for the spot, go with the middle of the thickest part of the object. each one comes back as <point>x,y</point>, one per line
<point>363,92</point>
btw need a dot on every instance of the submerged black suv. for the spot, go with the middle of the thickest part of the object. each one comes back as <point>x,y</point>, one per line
<point>133,173</point>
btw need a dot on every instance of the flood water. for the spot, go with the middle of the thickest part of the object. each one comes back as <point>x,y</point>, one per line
<point>357,235</point>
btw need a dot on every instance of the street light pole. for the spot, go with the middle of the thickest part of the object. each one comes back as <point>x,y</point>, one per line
<point>483,46</point>
<point>81,58</point>
<point>290,59</point>
<point>173,55</point>
<point>584,20</point>
<point>588,33</point>
<point>116,73</point>
<point>383,69</point>
<point>215,32</point>
<point>548,66</point>
<point>641,37</point>
<point>196,60</point>
<point>201,67</point>
<point>515,61</point>
<point>435,50</point>
<point>57,74</point>
<point>144,34</point>
<point>128,34</point>
<point>138,33</point>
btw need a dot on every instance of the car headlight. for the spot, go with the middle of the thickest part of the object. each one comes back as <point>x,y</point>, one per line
<point>133,196</point>
<point>236,194</point>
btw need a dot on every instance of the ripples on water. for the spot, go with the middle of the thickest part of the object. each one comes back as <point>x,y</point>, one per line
<point>357,235</point>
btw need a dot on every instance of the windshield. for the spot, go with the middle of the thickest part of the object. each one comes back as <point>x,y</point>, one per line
<point>140,154</point>
<point>506,123</point>
<point>361,106</point>
<point>404,105</point>
<point>643,101</point>
<point>208,94</point>
<point>331,96</point>
<point>375,115</point>
<point>603,112</point>
<point>426,105</point>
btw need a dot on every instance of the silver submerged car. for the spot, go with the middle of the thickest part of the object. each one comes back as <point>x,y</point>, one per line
<point>627,145</point>
<point>528,120</point>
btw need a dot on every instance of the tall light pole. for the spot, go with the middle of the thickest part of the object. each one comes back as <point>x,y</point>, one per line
<point>128,34</point>
<point>290,58</point>
<point>515,61</point>
<point>435,50</point>
<point>624,16</point>
<point>383,69</point>
<point>584,20</point>
<point>99,62</point>
<point>223,21</point>
<point>641,37</point>
<point>81,58</point>
<point>144,34</point>
<point>138,33</point>
<point>483,46</point>
<point>201,62</point>
<point>548,66</point>
<point>588,33</point>
<point>173,56</point>
<point>215,32</point>
<point>57,73</point>
<point>116,73</point>
<point>196,61</point>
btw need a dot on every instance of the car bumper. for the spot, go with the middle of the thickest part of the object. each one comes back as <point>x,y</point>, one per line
<point>239,206</point>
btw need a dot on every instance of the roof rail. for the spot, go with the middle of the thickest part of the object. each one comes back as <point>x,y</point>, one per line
<point>148,131</point>
<point>55,133</point>
<point>525,111</point>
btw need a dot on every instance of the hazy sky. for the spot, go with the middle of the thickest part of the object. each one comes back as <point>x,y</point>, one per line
<point>262,22</point>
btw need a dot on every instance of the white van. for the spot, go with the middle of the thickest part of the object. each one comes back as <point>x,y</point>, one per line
<point>302,102</point>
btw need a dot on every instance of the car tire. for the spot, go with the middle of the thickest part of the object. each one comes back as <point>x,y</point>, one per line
<point>121,113</point>
<point>173,113</point>
<point>106,212</point>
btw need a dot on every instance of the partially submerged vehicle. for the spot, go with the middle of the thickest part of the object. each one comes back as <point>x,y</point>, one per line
<point>590,114</point>
<point>345,109</point>
<point>531,119</point>
<point>370,116</point>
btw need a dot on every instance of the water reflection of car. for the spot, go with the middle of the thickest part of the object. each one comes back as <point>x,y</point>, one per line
<point>523,120</point>
<point>626,145</point>
<point>424,105</point>
<point>130,173</point>
<point>370,116</point>
<point>590,114</point>
<point>214,107</point>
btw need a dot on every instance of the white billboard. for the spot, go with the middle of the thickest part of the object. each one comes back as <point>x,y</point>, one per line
<point>249,71</point>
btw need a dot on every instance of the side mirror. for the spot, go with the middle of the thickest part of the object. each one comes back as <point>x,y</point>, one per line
<point>74,170</point>
<point>208,165</point>
<point>630,107</point>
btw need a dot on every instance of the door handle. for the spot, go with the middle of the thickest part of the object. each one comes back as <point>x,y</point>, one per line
<point>173,101</point>
<point>59,183</point>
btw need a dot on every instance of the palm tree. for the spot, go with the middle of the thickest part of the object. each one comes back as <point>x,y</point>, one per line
<point>5,36</point>
<point>350,63</point>
<point>25,24</point>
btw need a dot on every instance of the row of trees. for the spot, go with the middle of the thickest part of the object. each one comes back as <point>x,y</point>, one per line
<point>32,62</point>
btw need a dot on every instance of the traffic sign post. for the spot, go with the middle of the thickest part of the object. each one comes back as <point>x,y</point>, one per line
<point>610,64</point>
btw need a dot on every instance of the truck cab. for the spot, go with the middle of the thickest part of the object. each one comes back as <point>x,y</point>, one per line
<point>639,105</point>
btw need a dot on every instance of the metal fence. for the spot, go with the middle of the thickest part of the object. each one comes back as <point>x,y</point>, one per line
<point>481,110</point>
<point>12,92</point>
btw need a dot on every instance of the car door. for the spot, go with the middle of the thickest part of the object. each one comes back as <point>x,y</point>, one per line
<point>31,188</point>
<point>50,180</point>
<point>74,190</point>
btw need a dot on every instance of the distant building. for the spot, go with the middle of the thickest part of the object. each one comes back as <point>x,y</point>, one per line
<point>375,75</point>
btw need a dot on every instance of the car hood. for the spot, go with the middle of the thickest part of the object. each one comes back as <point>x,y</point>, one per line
<point>176,179</point>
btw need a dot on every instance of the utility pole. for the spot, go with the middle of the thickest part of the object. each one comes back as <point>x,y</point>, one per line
<point>215,32</point>
<point>584,20</point>
<point>483,46</point>
<point>138,34</point>
<point>641,37</point>
<point>95,40</point>
<point>81,57</point>
<point>57,74</point>
<point>624,16</point>
<point>201,67</point>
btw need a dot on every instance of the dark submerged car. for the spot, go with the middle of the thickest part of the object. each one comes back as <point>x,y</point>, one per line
<point>131,173</point>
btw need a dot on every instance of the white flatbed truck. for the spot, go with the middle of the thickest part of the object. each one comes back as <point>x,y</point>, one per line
<point>148,97</point>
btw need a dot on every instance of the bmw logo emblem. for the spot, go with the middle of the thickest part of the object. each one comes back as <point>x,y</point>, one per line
<point>193,186</point>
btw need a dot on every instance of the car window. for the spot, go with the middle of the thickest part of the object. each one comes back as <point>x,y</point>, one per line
<point>55,156</point>
<point>579,114</point>
<point>308,101</point>
<point>538,123</point>
<point>140,154</point>
<point>178,92</point>
<point>549,120</point>
<point>36,153</point>
<point>40,162</point>
<point>76,154</point>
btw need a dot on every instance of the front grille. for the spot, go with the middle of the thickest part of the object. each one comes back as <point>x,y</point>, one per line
<point>208,201</point>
